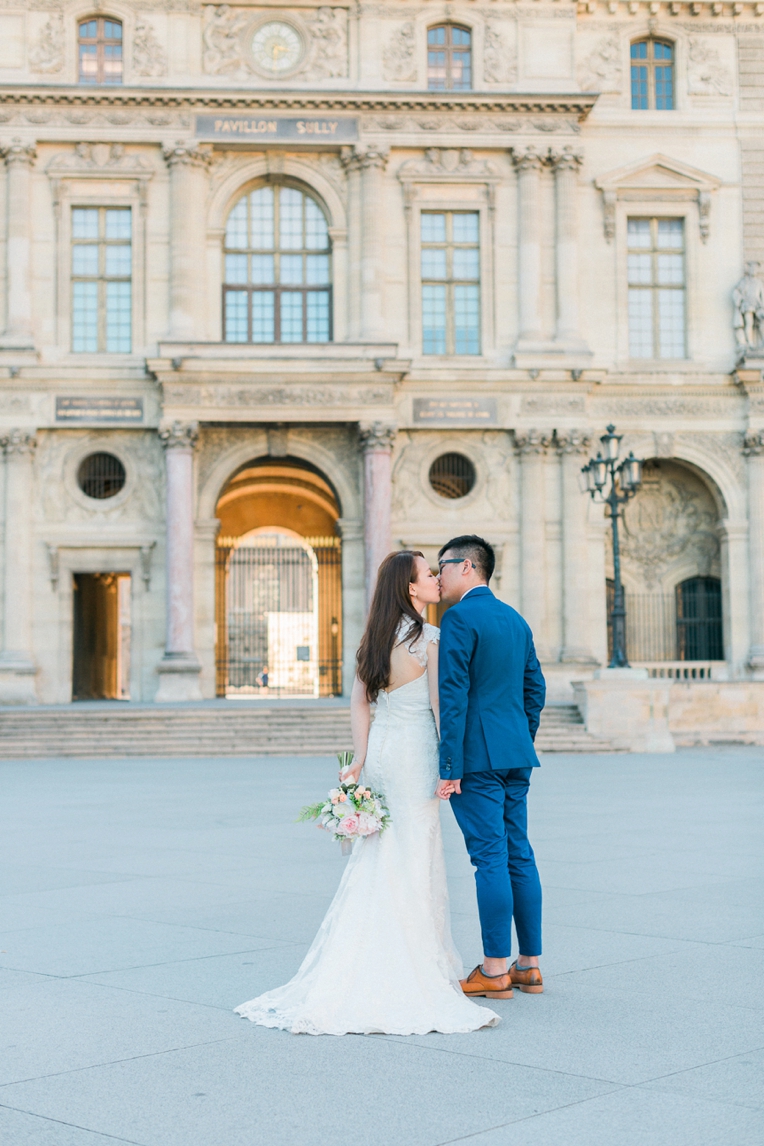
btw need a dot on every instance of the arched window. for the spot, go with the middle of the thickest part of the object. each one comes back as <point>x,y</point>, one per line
<point>99,49</point>
<point>652,74</point>
<point>699,619</point>
<point>449,58</point>
<point>277,284</point>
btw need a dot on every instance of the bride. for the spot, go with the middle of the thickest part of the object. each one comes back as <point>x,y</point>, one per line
<point>383,961</point>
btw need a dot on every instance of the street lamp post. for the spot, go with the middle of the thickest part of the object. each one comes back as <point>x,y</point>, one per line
<point>625,479</point>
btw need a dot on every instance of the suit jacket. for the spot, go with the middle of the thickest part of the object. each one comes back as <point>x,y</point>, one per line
<point>492,689</point>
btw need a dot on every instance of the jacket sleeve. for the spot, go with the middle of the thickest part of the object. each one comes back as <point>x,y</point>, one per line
<point>534,690</point>
<point>455,654</point>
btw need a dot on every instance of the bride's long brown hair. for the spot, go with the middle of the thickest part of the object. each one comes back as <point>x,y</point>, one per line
<point>390,603</point>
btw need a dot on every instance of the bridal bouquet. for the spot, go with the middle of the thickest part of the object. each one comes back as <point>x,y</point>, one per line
<point>350,811</point>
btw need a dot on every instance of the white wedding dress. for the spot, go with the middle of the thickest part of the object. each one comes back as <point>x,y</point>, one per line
<point>383,961</point>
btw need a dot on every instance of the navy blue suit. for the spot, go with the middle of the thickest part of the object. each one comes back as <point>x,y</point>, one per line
<point>491,695</point>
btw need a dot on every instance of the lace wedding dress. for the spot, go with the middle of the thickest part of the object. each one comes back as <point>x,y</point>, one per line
<point>383,961</point>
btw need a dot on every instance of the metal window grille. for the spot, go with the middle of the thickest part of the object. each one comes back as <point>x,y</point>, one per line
<point>449,58</point>
<point>452,475</point>
<point>101,476</point>
<point>102,257</point>
<point>278,616</point>
<point>656,275</point>
<point>652,75</point>
<point>685,625</point>
<point>277,282</point>
<point>450,273</point>
<point>99,49</point>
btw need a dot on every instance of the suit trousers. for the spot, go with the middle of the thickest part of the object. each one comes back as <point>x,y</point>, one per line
<point>493,816</point>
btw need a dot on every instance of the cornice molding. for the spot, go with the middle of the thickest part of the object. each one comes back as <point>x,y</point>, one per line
<point>190,99</point>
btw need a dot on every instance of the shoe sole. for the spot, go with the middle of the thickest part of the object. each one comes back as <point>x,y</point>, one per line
<point>488,994</point>
<point>530,990</point>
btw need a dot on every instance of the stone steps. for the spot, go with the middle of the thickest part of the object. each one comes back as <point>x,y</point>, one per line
<point>219,729</point>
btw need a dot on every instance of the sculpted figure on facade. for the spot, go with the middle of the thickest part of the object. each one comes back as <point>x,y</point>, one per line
<point>398,58</point>
<point>706,75</point>
<point>499,59</point>
<point>223,26</point>
<point>748,299</point>
<point>47,54</point>
<point>601,70</point>
<point>149,58</point>
<point>329,32</point>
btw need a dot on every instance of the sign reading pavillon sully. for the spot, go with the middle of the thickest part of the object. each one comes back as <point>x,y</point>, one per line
<point>277,128</point>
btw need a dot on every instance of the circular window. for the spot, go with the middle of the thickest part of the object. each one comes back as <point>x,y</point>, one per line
<point>101,475</point>
<point>452,475</point>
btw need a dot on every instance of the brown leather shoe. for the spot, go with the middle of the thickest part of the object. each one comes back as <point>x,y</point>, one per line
<point>528,979</point>
<point>486,986</point>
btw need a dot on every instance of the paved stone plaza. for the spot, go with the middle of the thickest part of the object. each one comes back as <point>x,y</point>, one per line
<point>142,900</point>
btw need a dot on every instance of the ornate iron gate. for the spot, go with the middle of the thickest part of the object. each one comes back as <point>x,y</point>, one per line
<point>279,616</point>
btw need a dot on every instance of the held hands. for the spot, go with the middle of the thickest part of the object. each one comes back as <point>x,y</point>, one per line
<point>446,788</point>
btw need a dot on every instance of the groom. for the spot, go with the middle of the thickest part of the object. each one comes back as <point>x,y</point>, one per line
<point>491,696</point>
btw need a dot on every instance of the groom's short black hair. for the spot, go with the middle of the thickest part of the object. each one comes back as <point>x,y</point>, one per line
<point>477,549</point>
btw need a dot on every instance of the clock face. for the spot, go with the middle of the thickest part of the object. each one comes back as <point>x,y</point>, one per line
<point>276,47</point>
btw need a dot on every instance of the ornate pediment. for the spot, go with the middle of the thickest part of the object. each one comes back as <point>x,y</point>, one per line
<point>657,179</point>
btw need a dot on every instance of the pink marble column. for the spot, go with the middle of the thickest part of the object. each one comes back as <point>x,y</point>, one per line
<point>179,668</point>
<point>377,444</point>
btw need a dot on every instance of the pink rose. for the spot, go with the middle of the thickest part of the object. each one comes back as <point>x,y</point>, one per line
<point>343,798</point>
<point>367,825</point>
<point>348,826</point>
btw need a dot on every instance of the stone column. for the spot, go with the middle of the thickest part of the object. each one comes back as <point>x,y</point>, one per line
<point>351,162</point>
<point>372,163</point>
<point>532,447</point>
<point>188,192</point>
<point>566,165</point>
<point>179,668</point>
<point>353,595</point>
<point>754,449</point>
<point>529,164</point>
<point>572,446</point>
<point>17,667</point>
<point>377,444</point>
<point>19,158</point>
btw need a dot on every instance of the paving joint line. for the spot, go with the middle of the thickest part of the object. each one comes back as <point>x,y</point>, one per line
<point>74,1125</point>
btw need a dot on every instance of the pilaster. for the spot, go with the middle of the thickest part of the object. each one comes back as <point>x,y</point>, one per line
<point>376,441</point>
<point>17,666</point>
<point>19,158</point>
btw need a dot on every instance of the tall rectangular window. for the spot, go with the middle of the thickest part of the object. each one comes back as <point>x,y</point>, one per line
<point>652,75</point>
<point>450,272</point>
<point>657,326</point>
<point>101,280</point>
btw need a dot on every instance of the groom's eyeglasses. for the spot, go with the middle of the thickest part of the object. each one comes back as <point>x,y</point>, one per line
<point>454,561</point>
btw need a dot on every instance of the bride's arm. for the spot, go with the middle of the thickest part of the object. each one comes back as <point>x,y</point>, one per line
<point>360,722</point>
<point>432,681</point>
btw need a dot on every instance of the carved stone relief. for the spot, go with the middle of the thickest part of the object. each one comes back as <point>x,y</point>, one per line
<point>223,26</point>
<point>706,74</point>
<point>601,70</point>
<point>491,450</point>
<point>225,43</point>
<point>144,504</point>
<point>446,162</point>
<point>399,56</point>
<point>670,525</point>
<point>499,57</point>
<point>46,55</point>
<point>329,58</point>
<point>149,58</point>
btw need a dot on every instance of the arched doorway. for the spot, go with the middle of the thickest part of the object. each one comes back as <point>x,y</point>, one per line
<point>671,567</point>
<point>278,583</point>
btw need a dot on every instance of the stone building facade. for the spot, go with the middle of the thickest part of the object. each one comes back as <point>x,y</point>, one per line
<point>284,287</point>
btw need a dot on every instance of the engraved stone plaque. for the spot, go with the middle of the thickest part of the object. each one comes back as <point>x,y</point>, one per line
<point>86,409</point>
<point>445,411</point>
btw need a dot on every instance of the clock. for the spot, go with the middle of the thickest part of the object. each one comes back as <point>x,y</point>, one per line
<point>277,48</point>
